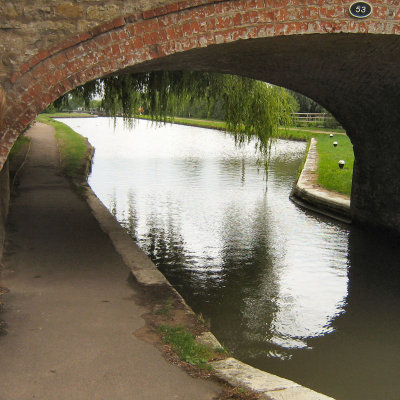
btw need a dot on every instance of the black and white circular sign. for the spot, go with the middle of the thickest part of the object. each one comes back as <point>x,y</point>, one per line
<point>360,9</point>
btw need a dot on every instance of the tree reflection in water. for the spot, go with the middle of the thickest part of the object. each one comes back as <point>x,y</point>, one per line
<point>285,290</point>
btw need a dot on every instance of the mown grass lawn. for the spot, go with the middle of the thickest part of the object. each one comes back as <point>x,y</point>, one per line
<point>330,176</point>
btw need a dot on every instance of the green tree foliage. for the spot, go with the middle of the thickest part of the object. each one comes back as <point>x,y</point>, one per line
<point>307,105</point>
<point>203,109</point>
<point>68,102</point>
<point>250,108</point>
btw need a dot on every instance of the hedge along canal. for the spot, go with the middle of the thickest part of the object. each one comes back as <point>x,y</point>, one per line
<point>285,290</point>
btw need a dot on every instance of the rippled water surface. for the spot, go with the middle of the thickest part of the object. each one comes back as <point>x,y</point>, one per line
<point>284,290</point>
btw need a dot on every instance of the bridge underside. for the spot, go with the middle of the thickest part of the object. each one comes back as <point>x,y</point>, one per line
<point>354,76</point>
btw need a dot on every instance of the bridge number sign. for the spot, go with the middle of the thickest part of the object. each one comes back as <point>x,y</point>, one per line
<point>360,9</point>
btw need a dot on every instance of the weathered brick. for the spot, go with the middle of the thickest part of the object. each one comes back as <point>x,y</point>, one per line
<point>223,22</point>
<point>27,117</point>
<point>174,7</point>
<point>102,28</point>
<point>119,35</point>
<point>43,54</point>
<point>211,24</point>
<point>132,18</point>
<point>250,17</point>
<point>118,41</point>
<point>148,14</point>
<point>71,53</point>
<point>34,90</point>
<point>162,36</point>
<point>258,4</point>
<point>150,38</point>
<point>137,42</point>
<point>380,12</point>
<point>58,59</point>
<point>39,71</point>
<point>24,68</point>
<point>183,4</point>
<point>15,76</point>
<point>104,39</point>
<point>332,12</point>
<point>118,22</point>
<point>170,33</point>
<point>26,98</point>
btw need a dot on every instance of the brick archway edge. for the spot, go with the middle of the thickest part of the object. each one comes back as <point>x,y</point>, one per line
<point>178,27</point>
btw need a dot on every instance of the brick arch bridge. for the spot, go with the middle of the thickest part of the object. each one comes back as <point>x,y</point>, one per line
<point>350,66</point>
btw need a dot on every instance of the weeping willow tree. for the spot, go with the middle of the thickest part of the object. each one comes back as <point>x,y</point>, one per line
<point>252,109</point>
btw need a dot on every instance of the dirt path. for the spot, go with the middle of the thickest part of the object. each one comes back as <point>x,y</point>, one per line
<point>71,314</point>
<point>316,131</point>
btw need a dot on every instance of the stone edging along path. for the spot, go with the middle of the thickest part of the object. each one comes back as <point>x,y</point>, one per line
<point>308,194</point>
<point>230,370</point>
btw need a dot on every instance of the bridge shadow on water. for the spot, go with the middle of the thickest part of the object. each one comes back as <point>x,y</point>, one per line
<point>359,355</point>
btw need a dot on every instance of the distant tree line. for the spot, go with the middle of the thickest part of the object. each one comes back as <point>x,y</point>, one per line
<point>249,107</point>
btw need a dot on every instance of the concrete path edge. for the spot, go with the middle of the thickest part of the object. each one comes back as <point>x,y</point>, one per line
<point>308,194</point>
<point>230,370</point>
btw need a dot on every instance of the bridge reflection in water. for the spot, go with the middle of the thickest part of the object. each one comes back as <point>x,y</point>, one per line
<point>286,291</point>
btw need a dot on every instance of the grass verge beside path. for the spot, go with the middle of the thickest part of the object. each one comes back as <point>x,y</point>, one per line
<point>73,147</point>
<point>185,346</point>
<point>68,115</point>
<point>18,146</point>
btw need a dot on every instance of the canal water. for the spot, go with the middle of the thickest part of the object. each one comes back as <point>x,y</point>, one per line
<point>285,290</point>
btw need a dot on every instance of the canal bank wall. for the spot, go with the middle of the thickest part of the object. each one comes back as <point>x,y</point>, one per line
<point>308,194</point>
<point>4,203</point>
<point>8,178</point>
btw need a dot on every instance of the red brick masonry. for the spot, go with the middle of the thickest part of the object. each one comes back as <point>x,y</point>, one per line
<point>178,27</point>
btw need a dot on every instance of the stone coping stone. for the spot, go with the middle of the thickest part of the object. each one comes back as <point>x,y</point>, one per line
<point>269,386</point>
<point>138,262</point>
<point>307,193</point>
<point>230,370</point>
<point>209,340</point>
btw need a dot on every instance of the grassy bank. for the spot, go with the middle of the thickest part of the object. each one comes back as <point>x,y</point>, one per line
<point>68,115</point>
<point>330,176</point>
<point>185,346</point>
<point>220,125</point>
<point>18,146</point>
<point>72,146</point>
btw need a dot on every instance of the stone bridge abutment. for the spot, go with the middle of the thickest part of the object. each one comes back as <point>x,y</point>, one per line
<point>315,47</point>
